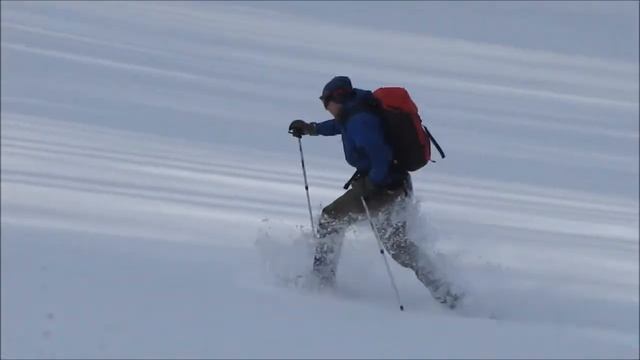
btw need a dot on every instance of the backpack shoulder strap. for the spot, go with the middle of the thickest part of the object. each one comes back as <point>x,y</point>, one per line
<point>435,142</point>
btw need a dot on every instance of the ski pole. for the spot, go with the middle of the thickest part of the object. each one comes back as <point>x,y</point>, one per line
<point>381,247</point>
<point>306,186</point>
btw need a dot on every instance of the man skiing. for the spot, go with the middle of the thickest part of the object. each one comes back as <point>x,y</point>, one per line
<point>384,186</point>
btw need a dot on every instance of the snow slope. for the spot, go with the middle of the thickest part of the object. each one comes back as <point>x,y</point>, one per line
<point>152,201</point>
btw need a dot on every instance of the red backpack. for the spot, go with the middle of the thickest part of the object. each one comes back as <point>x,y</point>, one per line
<point>408,137</point>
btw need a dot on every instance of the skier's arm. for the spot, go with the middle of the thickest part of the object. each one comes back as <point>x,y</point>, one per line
<point>370,138</point>
<point>327,128</point>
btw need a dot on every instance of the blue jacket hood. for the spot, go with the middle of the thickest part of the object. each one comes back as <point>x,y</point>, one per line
<point>359,101</point>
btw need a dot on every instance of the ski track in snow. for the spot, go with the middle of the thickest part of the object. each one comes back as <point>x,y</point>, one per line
<point>147,177</point>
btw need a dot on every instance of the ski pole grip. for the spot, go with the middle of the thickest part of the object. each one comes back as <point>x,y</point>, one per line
<point>295,134</point>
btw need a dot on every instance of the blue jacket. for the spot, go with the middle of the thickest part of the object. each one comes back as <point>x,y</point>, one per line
<point>365,147</point>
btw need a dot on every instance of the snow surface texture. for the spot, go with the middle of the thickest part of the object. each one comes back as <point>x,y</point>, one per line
<point>153,204</point>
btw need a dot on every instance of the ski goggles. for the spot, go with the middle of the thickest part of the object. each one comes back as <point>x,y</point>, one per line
<point>325,100</point>
<point>338,95</point>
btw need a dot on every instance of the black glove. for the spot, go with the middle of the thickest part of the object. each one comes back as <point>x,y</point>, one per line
<point>298,128</point>
<point>365,188</point>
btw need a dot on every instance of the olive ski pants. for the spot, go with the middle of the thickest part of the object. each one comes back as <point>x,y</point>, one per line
<point>387,209</point>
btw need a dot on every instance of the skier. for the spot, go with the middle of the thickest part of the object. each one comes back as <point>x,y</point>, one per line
<point>386,188</point>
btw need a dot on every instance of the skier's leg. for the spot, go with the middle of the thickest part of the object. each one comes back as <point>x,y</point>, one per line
<point>393,232</point>
<point>334,220</point>
<point>328,247</point>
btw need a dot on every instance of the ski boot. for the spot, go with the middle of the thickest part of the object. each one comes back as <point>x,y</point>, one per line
<point>323,274</point>
<point>443,294</point>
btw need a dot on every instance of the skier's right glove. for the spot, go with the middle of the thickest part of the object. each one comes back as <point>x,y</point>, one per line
<point>298,128</point>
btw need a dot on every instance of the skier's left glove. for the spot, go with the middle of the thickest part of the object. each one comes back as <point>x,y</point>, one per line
<point>363,187</point>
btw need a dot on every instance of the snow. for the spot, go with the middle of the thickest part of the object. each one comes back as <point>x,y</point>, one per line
<point>153,203</point>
